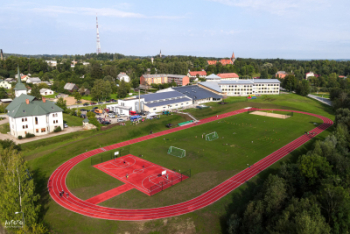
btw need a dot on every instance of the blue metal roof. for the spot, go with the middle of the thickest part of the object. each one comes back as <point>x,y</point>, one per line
<point>195,92</point>
<point>212,85</point>
<point>159,96</point>
<point>168,102</point>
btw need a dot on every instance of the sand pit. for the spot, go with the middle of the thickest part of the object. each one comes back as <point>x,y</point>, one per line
<point>273,115</point>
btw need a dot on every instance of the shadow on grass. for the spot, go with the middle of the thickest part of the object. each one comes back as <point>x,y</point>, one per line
<point>41,180</point>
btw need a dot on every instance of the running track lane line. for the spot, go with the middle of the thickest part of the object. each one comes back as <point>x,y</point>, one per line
<point>57,180</point>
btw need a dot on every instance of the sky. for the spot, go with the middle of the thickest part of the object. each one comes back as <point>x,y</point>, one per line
<point>290,29</point>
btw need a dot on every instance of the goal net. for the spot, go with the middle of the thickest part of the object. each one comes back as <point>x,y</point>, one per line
<point>211,136</point>
<point>177,152</point>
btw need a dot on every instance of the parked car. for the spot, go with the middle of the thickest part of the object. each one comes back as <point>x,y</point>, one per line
<point>95,108</point>
<point>110,115</point>
<point>120,120</point>
<point>65,125</point>
<point>98,111</point>
<point>83,109</point>
<point>92,103</point>
<point>122,114</point>
<point>105,122</point>
<point>86,104</point>
<point>100,102</point>
<point>108,101</point>
<point>106,110</point>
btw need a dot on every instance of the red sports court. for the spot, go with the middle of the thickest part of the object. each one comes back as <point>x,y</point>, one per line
<point>143,175</point>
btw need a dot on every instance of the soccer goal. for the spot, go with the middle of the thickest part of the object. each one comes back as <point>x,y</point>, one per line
<point>211,136</point>
<point>177,152</point>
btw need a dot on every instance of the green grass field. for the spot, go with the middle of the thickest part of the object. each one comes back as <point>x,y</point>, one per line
<point>4,128</point>
<point>211,162</point>
<point>46,155</point>
<point>51,96</point>
<point>321,94</point>
<point>72,120</point>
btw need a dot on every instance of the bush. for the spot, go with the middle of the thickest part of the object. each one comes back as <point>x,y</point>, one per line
<point>9,143</point>
<point>29,135</point>
<point>58,129</point>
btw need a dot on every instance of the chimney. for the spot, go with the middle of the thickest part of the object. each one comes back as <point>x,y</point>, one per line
<point>27,101</point>
<point>44,100</point>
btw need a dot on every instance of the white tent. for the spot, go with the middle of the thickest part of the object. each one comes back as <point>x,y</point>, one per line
<point>151,115</point>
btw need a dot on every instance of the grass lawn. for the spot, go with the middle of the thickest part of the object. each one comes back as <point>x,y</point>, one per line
<point>211,162</point>
<point>320,94</point>
<point>214,165</point>
<point>51,96</point>
<point>4,128</point>
<point>72,120</point>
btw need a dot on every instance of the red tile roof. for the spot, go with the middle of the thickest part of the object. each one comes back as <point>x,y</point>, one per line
<point>211,62</point>
<point>228,75</point>
<point>225,61</point>
<point>200,73</point>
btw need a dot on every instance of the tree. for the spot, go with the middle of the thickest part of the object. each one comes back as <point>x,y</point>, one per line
<point>77,96</point>
<point>62,104</point>
<point>3,93</point>
<point>97,91</point>
<point>36,92</point>
<point>14,178</point>
<point>122,90</point>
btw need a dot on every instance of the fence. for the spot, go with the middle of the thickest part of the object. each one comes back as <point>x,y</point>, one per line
<point>176,178</point>
<point>100,158</point>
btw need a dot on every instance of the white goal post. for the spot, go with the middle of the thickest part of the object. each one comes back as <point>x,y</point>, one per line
<point>211,136</point>
<point>177,152</point>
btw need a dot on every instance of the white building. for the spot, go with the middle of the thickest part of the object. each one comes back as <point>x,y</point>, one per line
<point>86,63</point>
<point>126,105</point>
<point>51,63</point>
<point>45,92</point>
<point>309,74</point>
<point>213,77</point>
<point>5,84</point>
<point>28,115</point>
<point>244,87</point>
<point>123,76</point>
<point>33,80</point>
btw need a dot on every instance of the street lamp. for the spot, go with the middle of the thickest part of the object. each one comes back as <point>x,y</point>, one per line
<point>22,217</point>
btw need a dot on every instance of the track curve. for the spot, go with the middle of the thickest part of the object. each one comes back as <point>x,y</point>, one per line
<point>57,181</point>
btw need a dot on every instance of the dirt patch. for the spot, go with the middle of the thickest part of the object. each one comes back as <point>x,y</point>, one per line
<point>273,115</point>
<point>72,101</point>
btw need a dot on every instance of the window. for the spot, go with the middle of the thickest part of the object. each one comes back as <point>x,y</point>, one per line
<point>181,104</point>
<point>56,121</point>
<point>37,130</point>
<point>154,109</point>
<point>36,120</point>
<point>43,130</point>
<point>53,121</point>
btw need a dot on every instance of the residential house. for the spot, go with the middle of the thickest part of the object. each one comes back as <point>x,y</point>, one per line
<point>5,84</point>
<point>123,76</point>
<point>10,80</point>
<point>223,61</point>
<point>193,74</point>
<point>24,78</point>
<point>71,87</point>
<point>45,92</point>
<point>148,79</point>
<point>51,63</point>
<point>309,74</point>
<point>33,80</point>
<point>281,74</point>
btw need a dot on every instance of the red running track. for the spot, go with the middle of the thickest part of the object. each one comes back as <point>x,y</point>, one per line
<point>57,181</point>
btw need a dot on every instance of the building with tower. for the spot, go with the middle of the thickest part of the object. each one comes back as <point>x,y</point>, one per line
<point>160,54</point>
<point>27,114</point>
<point>223,61</point>
<point>1,55</point>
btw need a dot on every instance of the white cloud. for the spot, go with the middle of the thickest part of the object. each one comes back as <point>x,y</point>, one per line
<point>278,7</point>
<point>111,12</point>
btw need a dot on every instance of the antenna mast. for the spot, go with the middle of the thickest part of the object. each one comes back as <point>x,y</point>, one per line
<point>98,44</point>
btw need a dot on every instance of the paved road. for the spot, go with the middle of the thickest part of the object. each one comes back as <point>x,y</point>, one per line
<point>320,99</point>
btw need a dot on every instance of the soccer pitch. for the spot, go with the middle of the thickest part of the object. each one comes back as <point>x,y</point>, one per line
<point>243,140</point>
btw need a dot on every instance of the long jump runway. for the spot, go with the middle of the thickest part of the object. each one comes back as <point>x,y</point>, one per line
<point>57,181</point>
